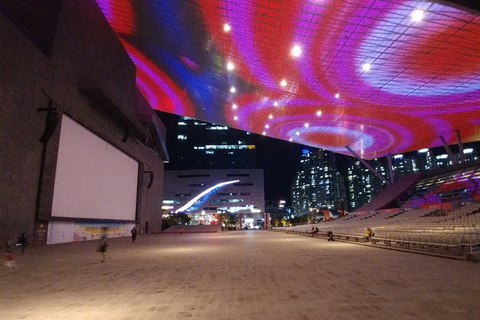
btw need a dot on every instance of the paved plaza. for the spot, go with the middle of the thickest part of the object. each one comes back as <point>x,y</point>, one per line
<point>236,275</point>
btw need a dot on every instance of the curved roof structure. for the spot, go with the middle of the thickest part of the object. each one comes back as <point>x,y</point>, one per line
<point>378,76</point>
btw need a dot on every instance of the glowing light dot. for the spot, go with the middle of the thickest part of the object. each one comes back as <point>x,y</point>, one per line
<point>290,139</point>
<point>283,83</point>
<point>235,118</point>
<point>233,90</point>
<point>270,116</point>
<point>230,66</point>
<point>366,67</point>
<point>297,133</point>
<point>319,113</point>
<point>264,133</point>
<point>275,104</point>
<point>417,15</point>
<point>337,95</point>
<point>296,51</point>
<point>306,125</point>
<point>226,27</point>
<point>234,106</point>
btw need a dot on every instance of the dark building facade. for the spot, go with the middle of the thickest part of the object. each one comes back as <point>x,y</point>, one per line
<point>63,72</point>
<point>195,144</point>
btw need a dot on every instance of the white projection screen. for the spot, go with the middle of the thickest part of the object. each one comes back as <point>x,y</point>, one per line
<point>93,180</point>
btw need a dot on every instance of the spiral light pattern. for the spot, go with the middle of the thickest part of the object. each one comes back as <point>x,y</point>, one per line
<point>379,76</point>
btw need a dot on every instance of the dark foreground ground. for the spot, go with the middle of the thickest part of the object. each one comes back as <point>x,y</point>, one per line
<point>236,275</point>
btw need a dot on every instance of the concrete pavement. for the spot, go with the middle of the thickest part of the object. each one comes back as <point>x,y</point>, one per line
<point>235,275</point>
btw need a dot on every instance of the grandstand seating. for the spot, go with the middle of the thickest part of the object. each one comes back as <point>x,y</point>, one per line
<point>440,214</point>
<point>452,232</point>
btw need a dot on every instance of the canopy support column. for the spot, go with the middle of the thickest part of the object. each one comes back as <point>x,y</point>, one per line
<point>366,164</point>
<point>460,146</point>
<point>390,168</point>
<point>449,151</point>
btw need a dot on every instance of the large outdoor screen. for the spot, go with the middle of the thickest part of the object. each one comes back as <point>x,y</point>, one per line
<point>93,179</point>
<point>378,76</point>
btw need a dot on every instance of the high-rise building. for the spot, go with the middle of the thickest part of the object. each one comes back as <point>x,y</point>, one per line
<point>318,184</point>
<point>196,144</point>
<point>363,185</point>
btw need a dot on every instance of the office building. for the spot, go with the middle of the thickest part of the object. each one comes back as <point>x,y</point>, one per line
<point>202,194</point>
<point>196,144</point>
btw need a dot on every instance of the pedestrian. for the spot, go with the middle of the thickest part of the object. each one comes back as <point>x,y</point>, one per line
<point>134,233</point>
<point>368,234</point>
<point>103,244</point>
<point>330,236</point>
<point>22,242</point>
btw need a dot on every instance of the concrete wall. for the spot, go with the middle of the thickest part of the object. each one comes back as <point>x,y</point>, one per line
<point>85,53</point>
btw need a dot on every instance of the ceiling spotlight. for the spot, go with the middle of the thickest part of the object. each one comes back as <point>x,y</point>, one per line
<point>226,27</point>
<point>264,133</point>
<point>230,66</point>
<point>297,133</point>
<point>290,139</point>
<point>306,125</point>
<point>417,15</point>
<point>232,89</point>
<point>234,106</point>
<point>337,95</point>
<point>267,126</point>
<point>270,116</point>
<point>283,83</point>
<point>296,51</point>
<point>235,118</point>
<point>319,113</point>
<point>366,67</point>
<point>275,104</point>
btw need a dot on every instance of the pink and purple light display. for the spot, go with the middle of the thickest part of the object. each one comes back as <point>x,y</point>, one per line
<point>382,77</point>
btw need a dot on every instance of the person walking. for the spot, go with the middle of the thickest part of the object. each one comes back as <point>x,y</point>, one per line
<point>134,233</point>
<point>103,244</point>
<point>22,242</point>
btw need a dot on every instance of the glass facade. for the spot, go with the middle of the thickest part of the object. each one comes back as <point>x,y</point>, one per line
<point>318,184</point>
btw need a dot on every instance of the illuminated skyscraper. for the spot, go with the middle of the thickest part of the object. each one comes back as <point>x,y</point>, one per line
<point>318,184</point>
<point>363,185</point>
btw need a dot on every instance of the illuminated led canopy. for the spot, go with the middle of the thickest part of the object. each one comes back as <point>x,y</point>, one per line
<point>388,76</point>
